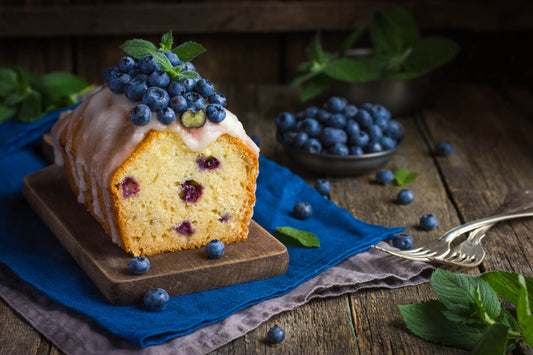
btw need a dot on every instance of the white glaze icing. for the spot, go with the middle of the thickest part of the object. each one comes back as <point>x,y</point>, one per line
<point>107,138</point>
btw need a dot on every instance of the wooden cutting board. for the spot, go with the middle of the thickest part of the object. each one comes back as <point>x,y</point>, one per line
<point>260,256</point>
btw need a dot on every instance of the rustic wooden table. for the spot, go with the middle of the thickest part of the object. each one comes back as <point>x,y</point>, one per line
<point>491,128</point>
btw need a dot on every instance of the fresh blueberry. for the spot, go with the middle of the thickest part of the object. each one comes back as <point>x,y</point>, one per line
<point>402,241</point>
<point>361,140</point>
<point>367,106</point>
<point>275,335</point>
<point>299,139</point>
<point>140,115</point>
<point>350,111</point>
<point>126,64</point>
<point>156,299</point>
<point>189,84</point>
<point>313,146</point>
<point>405,196</point>
<point>285,138</point>
<point>166,115</point>
<point>352,128</point>
<point>139,77</point>
<point>339,149</point>
<point>300,116</point>
<point>108,73</point>
<point>159,79</point>
<point>336,120</point>
<point>214,249</point>
<point>310,126</point>
<point>215,113</point>
<point>118,82</point>
<point>323,187</point>
<point>178,104</point>
<point>217,98</point>
<point>443,149</point>
<point>322,116</point>
<point>136,90</point>
<point>194,100</point>
<point>364,119</point>
<point>173,58</point>
<point>204,87</point>
<point>302,210</point>
<point>139,265</point>
<point>176,88</point>
<point>428,222</point>
<point>335,104</point>
<point>375,133</point>
<point>355,150</point>
<point>148,65</point>
<point>188,67</point>
<point>394,130</point>
<point>374,147</point>
<point>379,111</point>
<point>156,98</point>
<point>384,176</point>
<point>311,111</point>
<point>387,143</point>
<point>330,136</point>
<point>381,122</point>
<point>193,118</point>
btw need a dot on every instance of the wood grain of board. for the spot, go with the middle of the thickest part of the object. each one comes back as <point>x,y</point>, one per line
<point>260,256</point>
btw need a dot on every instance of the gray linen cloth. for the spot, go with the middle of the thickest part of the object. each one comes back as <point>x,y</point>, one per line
<point>75,333</point>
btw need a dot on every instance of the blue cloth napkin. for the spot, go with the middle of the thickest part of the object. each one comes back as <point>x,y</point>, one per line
<point>31,251</point>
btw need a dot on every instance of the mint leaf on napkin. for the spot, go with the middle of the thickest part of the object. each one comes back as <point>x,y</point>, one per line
<point>403,177</point>
<point>307,239</point>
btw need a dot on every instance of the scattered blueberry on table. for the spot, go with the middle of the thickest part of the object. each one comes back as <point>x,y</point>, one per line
<point>275,335</point>
<point>443,149</point>
<point>323,186</point>
<point>428,222</point>
<point>340,128</point>
<point>384,176</point>
<point>402,241</point>
<point>139,265</point>
<point>302,210</point>
<point>405,197</point>
<point>215,249</point>
<point>156,299</point>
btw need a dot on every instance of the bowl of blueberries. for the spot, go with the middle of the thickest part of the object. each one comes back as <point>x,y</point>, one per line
<point>340,138</point>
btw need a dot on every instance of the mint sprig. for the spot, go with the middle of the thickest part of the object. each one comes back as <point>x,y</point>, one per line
<point>469,315</point>
<point>28,96</point>
<point>304,238</point>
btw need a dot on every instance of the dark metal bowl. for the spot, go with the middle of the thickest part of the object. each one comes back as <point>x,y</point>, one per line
<point>335,165</point>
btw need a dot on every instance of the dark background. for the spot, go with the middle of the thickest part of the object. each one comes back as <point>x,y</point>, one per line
<point>259,42</point>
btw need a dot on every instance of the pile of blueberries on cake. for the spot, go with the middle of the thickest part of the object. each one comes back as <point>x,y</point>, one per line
<point>340,128</point>
<point>190,100</point>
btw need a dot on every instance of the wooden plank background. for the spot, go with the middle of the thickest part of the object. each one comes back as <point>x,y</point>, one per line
<point>258,42</point>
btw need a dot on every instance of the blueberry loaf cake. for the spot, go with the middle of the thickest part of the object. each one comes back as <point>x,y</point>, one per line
<point>157,158</point>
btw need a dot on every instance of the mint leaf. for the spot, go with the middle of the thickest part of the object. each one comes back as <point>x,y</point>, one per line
<point>162,61</point>
<point>307,239</point>
<point>405,25</point>
<point>30,107</point>
<point>188,51</point>
<point>361,70</point>
<point>403,177</point>
<point>187,75</point>
<point>427,321</point>
<point>138,47</point>
<point>507,319</point>
<point>430,53</point>
<point>15,98</point>
<point>166,41</point>
<point>314,87</point>
<point>351,40</point>
<point>385,35</point>
<point>494,341</point>
<point>300,79</point>
<point>507,286</point>
<point>60,84</point>
<point>8,81</point>
<point>6,113</point>
<point>523,312</point>
<point>315,51</point>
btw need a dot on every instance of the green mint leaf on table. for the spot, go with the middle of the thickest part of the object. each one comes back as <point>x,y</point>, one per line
<point>6,113</point>
<point>494,341</point>
<point>507,286</point>
<point>8,81</point>
<point>523,312</point>
<point>403,177</point>
<point>307,239</point>
<point>167,41</point>
<point>59,84</point>
<point>188,51</point>
<point>138,47</point>
<point>427,321</point>
<point>30,107</point>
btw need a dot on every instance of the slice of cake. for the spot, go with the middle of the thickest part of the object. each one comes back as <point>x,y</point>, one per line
<point>157,158</point>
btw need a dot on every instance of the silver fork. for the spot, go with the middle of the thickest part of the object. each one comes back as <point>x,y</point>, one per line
<point>469,253</point>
